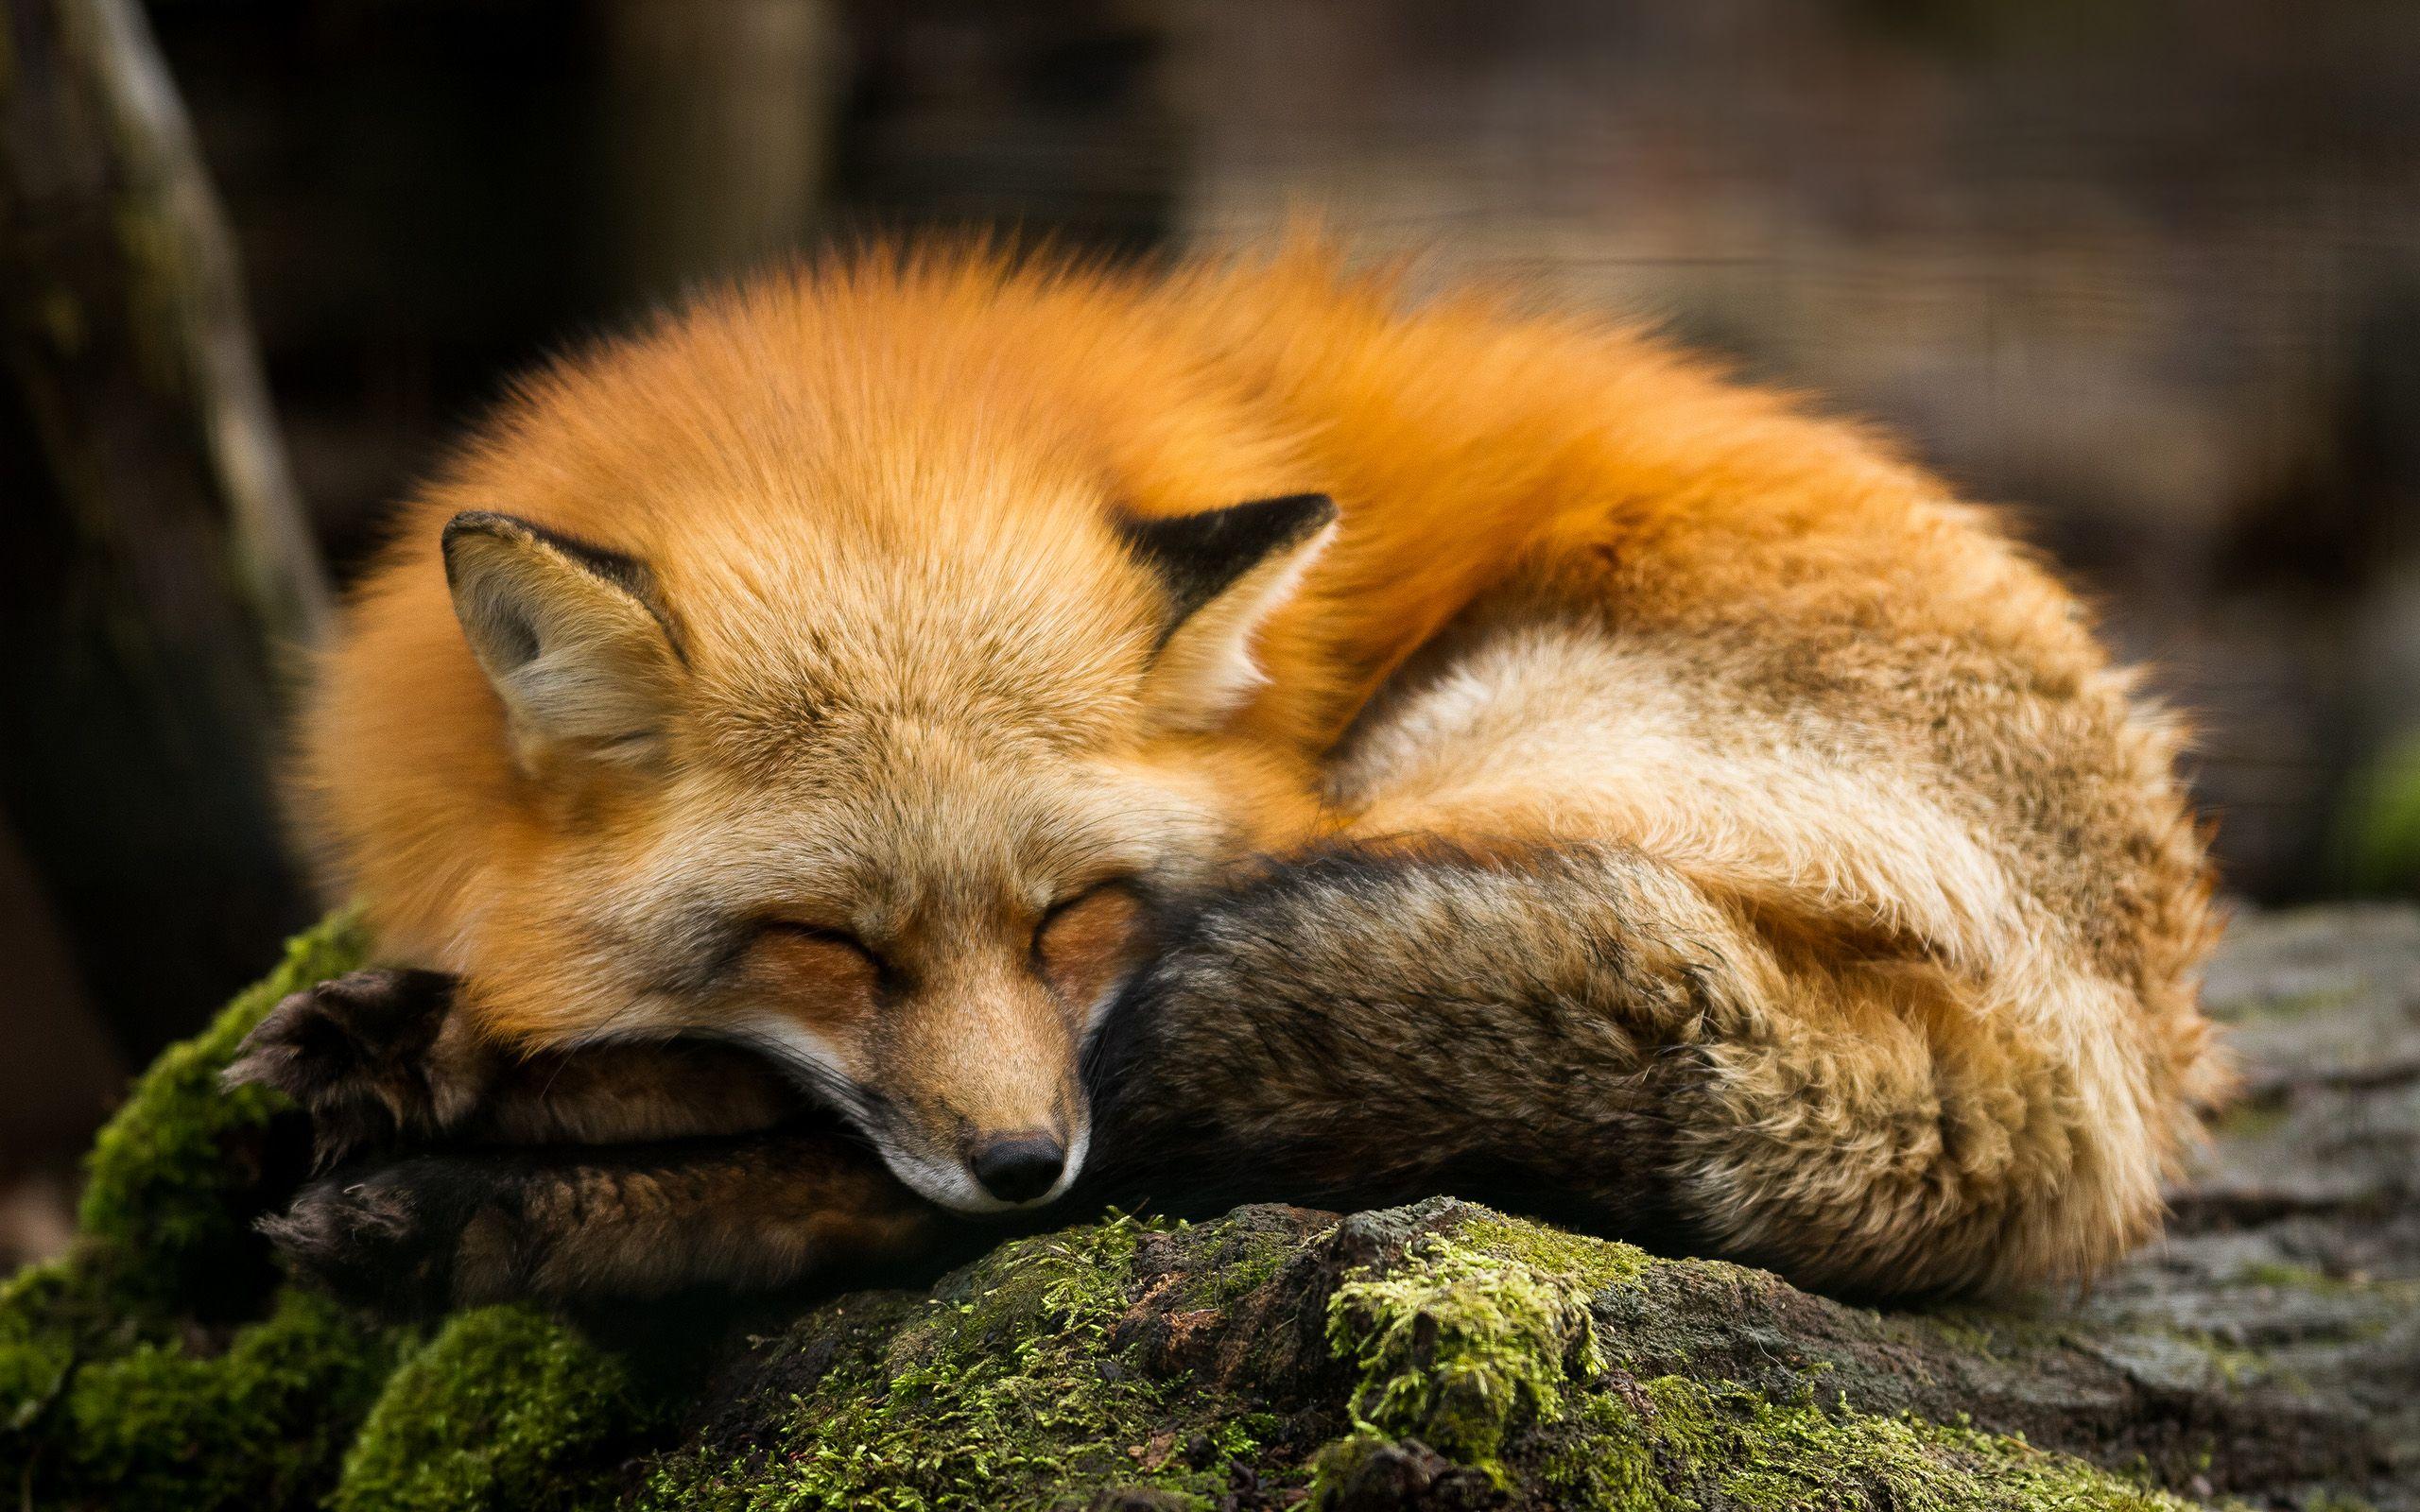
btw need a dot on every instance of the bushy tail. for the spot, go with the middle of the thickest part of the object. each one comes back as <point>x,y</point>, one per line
<point>1585,1033</point>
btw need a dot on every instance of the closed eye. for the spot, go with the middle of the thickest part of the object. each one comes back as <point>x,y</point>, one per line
<point>1085,943</point>
<point>827,979</point>
<point>793,929</point>
<point>1120,887</point>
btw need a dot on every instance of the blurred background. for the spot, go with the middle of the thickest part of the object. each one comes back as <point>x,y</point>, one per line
<point>2147,271</point>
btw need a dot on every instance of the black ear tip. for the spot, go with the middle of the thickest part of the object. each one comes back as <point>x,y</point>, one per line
<point>1198,556</point>
<point>1316,510</point>
<point>619,568</point>
<point>474,524</point>
<point>468,526</point>
<point>479,523</point>
<point>1285,521</point>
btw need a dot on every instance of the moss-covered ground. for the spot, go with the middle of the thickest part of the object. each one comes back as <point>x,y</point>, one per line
<point>1006,1387</point>
<point>1440,1355</point>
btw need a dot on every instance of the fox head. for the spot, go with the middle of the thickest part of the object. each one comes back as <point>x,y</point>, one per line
<point>896,805</point>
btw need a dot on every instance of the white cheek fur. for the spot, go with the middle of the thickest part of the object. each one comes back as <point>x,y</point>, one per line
<point>807,1057</point>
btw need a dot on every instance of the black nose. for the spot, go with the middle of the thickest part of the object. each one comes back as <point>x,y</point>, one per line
<point>1017,1167</point>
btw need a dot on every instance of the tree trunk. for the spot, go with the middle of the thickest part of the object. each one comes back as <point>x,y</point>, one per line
<point>156,571</point>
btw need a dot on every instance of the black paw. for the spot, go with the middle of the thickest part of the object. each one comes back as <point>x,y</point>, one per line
<point>354,1052</point>
<point>402,1239</point>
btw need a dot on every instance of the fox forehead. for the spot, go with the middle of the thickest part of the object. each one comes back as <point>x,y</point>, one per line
<point>1017,628</point>
<point>937,710</point>
<point>889,837</point>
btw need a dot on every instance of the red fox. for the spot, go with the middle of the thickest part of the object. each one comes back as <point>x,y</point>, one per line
<point>1399,744</point>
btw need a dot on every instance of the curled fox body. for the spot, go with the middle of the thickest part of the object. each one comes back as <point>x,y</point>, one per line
<point>1396,745</point>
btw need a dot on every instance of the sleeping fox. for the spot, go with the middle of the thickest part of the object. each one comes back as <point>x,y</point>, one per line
<point>928,732</point>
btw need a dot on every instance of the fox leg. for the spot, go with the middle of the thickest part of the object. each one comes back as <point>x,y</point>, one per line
<point>378,1058</point>
<point>435,1231</point>
<point>613,1171</point>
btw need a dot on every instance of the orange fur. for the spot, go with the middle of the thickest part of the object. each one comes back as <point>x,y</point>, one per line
<point>881,489</point>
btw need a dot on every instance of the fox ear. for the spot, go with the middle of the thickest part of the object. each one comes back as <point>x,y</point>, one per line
<point>1224,573</point>
<point>568,634</point>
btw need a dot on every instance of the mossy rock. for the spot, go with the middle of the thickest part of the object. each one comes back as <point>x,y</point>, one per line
<point>1440,1355</point>
<point>503,1408</point>
<point>160,1364</point>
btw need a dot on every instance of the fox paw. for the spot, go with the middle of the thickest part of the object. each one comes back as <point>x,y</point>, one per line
<point>356,1052</point>
<point>407,1240</point>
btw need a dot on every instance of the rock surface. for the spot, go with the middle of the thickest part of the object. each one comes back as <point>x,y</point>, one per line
<point>2267,1353</point>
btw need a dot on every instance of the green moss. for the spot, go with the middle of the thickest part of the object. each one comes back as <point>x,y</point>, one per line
<point>1478,1345</point>
<point>1599,1265</point>
<point>2316,1003</point>
<point>1243,1258</point>
<point>2336,1502</point>
<point>2252,1118</point>
<point>112,1392</point>
<point>1598,1458</point>
<point>1988,1332</point>
<point>172,1425</point>
<point>1674,1443</point>
<point>1002,1390</point>
<point>2295,1277</point>
<point>40,1310</point>
<point>1455,1348</point>
<point>2378,829</point>
<point>505,1408</point>
<point>2233,1364</point>
<point>164,1211</point>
